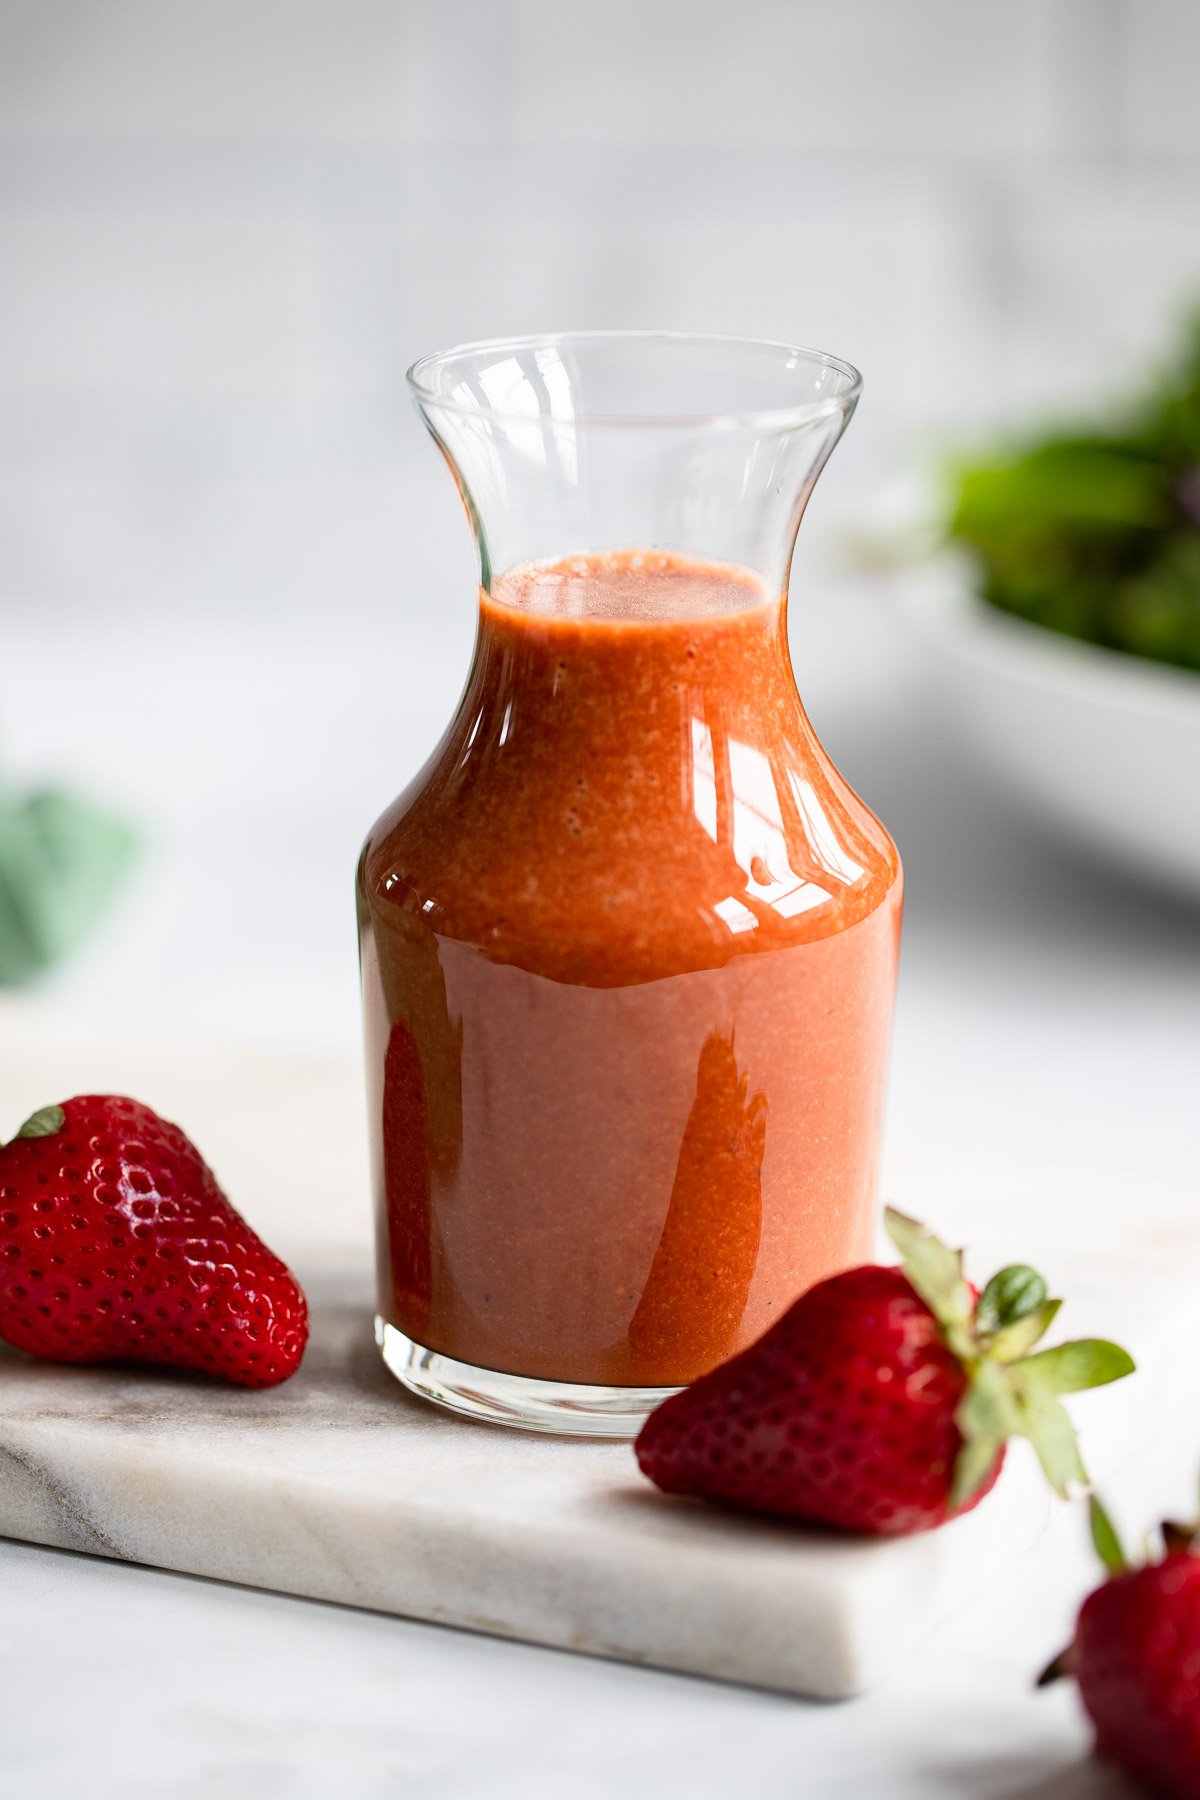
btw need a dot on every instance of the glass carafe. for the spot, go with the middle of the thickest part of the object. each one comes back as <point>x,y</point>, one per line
<point>628,939</point>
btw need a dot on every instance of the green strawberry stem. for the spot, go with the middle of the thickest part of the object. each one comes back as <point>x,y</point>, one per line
<point>1012,1391</point>
<point>1105,1537</point>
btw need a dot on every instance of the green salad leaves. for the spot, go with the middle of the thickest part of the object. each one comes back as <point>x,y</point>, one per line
<point>1097,534</point>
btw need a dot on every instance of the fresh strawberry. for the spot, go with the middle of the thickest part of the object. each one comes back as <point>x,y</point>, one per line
<point>882,1401</point>
<point>117,1244</point>
<point>1136,1657</point>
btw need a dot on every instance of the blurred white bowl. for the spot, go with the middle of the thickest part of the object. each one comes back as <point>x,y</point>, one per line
<point>1103,744</point>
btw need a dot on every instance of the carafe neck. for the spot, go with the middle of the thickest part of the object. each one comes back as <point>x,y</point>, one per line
<point>708,446</point>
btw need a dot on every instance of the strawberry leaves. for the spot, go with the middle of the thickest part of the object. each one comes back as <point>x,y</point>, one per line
<point>1014,1312</point>
<point>1038,1380</point>
<point>1047,1425</point>
<point>936,1272</point>
<point>1012,1390</point>
<point>43,1123</point>
<point>1014,1294</point>
<point>1070,1368</point>
<point>987,1417</point>
<point>1012,1342</point>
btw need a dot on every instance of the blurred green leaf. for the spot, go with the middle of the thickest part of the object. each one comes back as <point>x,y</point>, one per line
<point>62,860</point>
<point>1158,612</point>
<point>1096,534</point>
<point>1063,487</point>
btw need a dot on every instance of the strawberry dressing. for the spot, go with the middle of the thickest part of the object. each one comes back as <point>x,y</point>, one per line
<point>629,948</point>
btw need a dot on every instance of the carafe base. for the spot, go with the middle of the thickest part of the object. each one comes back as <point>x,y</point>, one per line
<point>562,1408</point>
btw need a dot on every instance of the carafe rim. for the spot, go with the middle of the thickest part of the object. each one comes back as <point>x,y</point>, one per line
<point>427,380</point>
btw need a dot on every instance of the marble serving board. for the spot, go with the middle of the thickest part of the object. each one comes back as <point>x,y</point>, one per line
<point>341,1487</point>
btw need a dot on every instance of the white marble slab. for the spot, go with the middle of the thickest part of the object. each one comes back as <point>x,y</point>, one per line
<point>340,1487</point>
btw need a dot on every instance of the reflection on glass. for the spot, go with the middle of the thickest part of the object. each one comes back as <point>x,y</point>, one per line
<point>820,833</point>
<point>703,780</point>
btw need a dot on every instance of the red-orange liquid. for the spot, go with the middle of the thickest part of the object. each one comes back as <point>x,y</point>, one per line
<point>629,949</point>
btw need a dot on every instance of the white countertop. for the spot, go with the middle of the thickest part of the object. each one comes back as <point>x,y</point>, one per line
<point>125,1681</point>
<point>1048,1010</point>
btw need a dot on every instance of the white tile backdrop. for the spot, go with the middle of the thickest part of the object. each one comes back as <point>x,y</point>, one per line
<point>234,582</point>
<point>226,228</point>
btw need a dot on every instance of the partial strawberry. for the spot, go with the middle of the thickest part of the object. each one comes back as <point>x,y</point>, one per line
<point>882,1400</point>
<point>117,1244</point>
<point>1136,1657</point>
